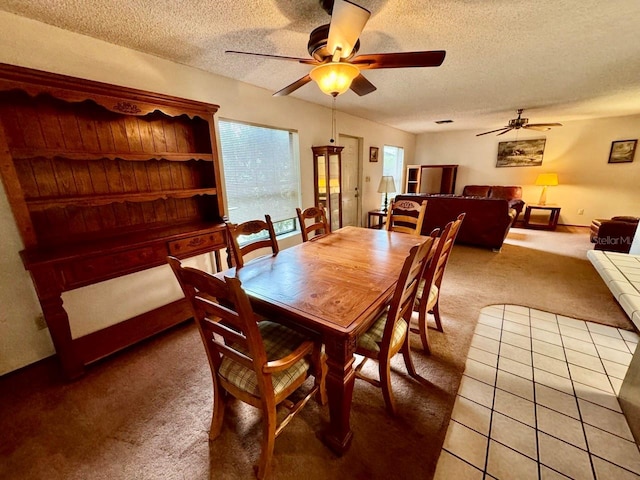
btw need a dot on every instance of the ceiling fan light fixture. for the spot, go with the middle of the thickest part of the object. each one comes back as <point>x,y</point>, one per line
<point>334,78</point>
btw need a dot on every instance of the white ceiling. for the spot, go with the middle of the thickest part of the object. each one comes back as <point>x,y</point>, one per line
<point>561,60</point>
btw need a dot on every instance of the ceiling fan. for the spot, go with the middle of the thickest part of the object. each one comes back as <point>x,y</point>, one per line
<point>334,46</point>
<point>517,123</point>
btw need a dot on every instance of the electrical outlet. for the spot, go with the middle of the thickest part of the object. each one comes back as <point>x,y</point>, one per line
<point>41,324</point>
<point>581,211</point>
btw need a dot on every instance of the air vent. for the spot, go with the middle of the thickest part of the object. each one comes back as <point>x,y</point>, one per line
<point>439,122</point>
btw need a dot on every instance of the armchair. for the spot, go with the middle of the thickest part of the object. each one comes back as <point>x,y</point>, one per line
<point>614,234</point>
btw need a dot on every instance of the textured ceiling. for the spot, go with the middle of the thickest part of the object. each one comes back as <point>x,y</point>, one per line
<point>561,60</point>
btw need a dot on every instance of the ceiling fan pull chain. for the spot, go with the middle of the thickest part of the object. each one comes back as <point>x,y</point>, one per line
<point>333,121</point>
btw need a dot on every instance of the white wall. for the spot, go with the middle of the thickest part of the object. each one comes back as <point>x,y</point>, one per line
<point>578,152</point>
<point>36,45</point>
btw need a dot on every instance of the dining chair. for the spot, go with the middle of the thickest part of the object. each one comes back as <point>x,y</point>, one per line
<point>389,333</point>
<point>261,235</point>
<point>259,363</point>
<point>319,227</point>
<point>406,216</point>
<point>428,296</point>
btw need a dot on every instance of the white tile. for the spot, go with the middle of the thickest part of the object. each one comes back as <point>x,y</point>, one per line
<point>580,346</point>
<point>506,463</point>
<point>519,309</point>
<point>557,400</point>
<point>495,310</point>
<point>616,383</point>
<point>486,344</point>
<point>548,316</point>
<point>517,317</point>
<point>548,349</point>
<point>466,444</point>
<point>522,355</point>
<point>608,471</point>
<point>547,474</point>
<point>515,407</point>
<point>477,391</point>
<point>490,321</point>
<point>631,346</point>
<point>545,336</point>
<point>612,448</point>
<point>513,327</point>
<point>572,322</point>
<point>615,369</point>
<point>472,415</point>
<point>614,355</point>
<point>561,426</point>
<point>605,419</point>
<point>489,332</point>
<point>577,333</point>
<point>591,378</point>
<point>452,467</point>
<point>629,336</point>
<point>480,371</point>
<point>514,384</point>
<point>483,356</point>
<point>514,434</point>
<point>554,381</point>
<point>545,325</point>
<point>564,458</point>
<point>516,340</point>
<point>593,395</point>
<point>517,368</point>
<point>550,364</point>
<point>583,360</point>
<point>603,329</point>
<point>615,343</point>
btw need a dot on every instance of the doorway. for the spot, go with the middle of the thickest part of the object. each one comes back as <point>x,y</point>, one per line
<point>351,167</point>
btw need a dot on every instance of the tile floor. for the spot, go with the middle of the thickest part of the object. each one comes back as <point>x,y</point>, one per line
<point>538,401</point>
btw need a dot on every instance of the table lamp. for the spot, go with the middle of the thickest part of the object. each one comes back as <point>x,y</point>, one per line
<point>546,180</point>
<point>386,186</point>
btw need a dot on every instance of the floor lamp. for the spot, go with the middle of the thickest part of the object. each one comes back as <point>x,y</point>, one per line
<point>386,186</point>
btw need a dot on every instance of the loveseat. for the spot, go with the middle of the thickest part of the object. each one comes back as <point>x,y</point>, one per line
<point>615,234</point>
<point>512,194</point>
<point>486,223</point>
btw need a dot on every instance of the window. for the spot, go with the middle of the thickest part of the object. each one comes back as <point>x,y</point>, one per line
<point>261,173</point>
<point>393,164</point>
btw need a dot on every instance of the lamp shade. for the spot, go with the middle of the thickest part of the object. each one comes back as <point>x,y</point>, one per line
<point>334,78</point>
<point>547,179</point>
<point>387,185</point>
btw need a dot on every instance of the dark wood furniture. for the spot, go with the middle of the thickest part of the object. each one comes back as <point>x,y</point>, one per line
<point>552,221</point>
<point>259,363</point>
<point>266,239</point>
<point>327,179</point>
<point>416,175</point>
<point>333,287</point>
<point>104,181</point>
<point>381,216</point>
<point>318,226</point>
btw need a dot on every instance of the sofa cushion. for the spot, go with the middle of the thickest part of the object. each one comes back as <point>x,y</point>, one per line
<point>506,193</point>
<point>476,191</point>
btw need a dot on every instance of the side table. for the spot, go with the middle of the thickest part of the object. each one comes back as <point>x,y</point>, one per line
<point>381,215</point>
<point>552,223</point>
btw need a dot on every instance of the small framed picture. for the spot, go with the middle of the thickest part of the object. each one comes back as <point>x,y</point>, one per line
<point>373,154</point>
<point>622,151</point>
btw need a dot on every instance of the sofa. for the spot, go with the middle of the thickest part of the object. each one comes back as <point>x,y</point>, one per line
<point>486,224</point>
<point>512,194</point>
<point>614,234</point>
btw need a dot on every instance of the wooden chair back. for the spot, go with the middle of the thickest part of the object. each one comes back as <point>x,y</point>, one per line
<point>406,216</point>
<point>319,225</point>
<point>261,233</point>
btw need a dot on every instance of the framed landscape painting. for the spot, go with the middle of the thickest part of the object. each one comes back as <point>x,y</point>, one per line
<point>622,151</point>
<point>521,153</point>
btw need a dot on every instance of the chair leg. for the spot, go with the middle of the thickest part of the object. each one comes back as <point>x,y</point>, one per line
<point>424,334</point>
<point>268,438</point>
<point>385,383</point>
<point>436,315</point>
<point>408,360</point>
<point>218,411</point>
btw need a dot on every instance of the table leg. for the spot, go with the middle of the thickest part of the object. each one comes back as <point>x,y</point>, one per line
<point>340,380</point>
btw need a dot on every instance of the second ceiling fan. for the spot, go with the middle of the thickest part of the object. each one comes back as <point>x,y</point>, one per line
<point>518,123</point>
<point>334,46</point>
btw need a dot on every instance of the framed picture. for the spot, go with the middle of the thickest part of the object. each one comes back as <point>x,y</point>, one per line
<point>373,154</point>
<point>622,151</point>
<point>521,153</point>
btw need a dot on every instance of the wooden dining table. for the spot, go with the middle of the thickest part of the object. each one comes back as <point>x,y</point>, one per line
<point>334,286</point>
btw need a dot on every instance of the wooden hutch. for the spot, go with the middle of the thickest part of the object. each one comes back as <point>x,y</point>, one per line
<point>415,176</point>
<point>104,181</point>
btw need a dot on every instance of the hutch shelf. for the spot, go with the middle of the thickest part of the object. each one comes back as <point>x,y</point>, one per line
<point>104,181</point>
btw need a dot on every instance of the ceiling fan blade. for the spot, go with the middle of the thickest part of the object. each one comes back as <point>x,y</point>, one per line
<point>362,86</point>
<point>493,131</point>
<point>529,125</point>
<point>507,130</point>
<point>308,61</point>
<point>538,128</point>
<point>347,22</point>
<point>293,87</point>
<point>431,58</point>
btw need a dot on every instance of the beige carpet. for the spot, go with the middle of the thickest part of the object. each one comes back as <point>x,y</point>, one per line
<point>144,414</point>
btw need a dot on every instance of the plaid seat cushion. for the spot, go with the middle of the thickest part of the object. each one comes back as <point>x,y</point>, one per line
<point>279,341</point>
<point>433,293</point>
<point>370,340</point>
